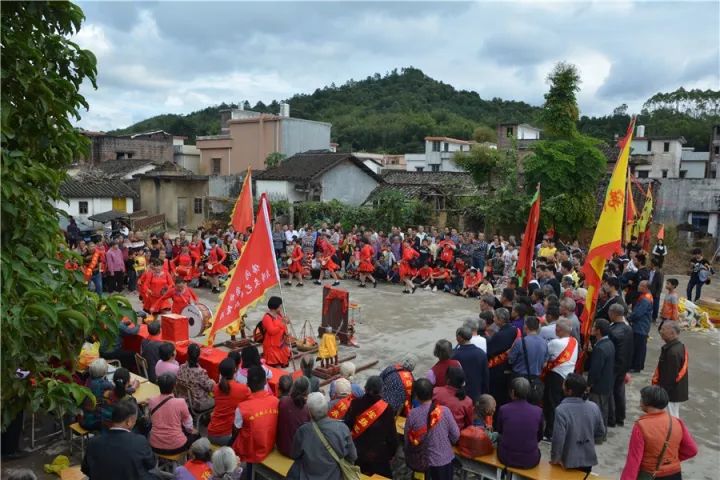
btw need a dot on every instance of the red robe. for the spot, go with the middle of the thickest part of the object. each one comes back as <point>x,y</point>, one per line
<point>448,251</point>
<point>185,266</point>
<point>472,281</point>
<point>406,269</point>
<point>214,264</point>
<point>327,253</point>
<point>275,350</point>
<point>168,267</point>
<point>153,287</point>
<point>196,250</point>
<point>366,263</point>
<point>180,300</point>
<point>297,258</point>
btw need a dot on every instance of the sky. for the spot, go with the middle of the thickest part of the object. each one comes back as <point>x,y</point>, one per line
<point>178,57</point>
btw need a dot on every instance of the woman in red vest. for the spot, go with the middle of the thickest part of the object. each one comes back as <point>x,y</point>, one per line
<point>256,420</point>
<point>367,266</point>
<point>443,352</point>
<point>228,394</point>
<point>276,351</point>
<point>646,452</point>
<point>184,264</point>
<point>199,467</point>
<point>407,271</point>
<point>214,267</point>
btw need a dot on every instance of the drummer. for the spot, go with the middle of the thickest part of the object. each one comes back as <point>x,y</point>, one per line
<point>181,297</point>
<point>276,351</point>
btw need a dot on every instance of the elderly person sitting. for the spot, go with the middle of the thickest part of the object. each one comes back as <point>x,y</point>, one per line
<point>520,425</point>
<point>196,379</point>
<point>98,385</point>
<point>443,352</point>
<point>172,430</point>
<point>199,466</point>
<point>312,459</point>
<point>397,384</point>
<point>347,371</point>
<point>292,414</point>
<point>225,465</point>
<point>340,399</point>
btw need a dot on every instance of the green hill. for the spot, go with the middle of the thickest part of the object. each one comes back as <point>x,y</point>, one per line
<point>393,113</point>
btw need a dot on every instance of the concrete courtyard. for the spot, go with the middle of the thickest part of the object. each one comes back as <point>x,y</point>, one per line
<point>392,324</point>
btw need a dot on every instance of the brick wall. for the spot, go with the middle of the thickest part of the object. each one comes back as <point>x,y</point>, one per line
<point>106,148</point>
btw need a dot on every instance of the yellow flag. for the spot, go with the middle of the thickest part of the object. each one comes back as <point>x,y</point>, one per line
<point>646,215</point>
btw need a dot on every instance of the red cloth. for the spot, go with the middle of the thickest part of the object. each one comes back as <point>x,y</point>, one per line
<point>242,215</point>
<point>223,415</point>
<point>406,269</point>
<point>275,349</point>
<point>256,438</point>
<point>462,410</point>
<point>276,374</point>
<point>185,266</point>
<point>175,328</point>
<point>132,343</point>
<point>210,358</point>
<point>327,252</point>
<point>196,250</point>
<point>440,371</point>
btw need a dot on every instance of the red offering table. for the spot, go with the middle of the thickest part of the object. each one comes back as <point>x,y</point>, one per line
<point>276,374</point>
<point>175,328</point>
<point>181,349</point>
<point>132,343</point>
<point>210,359</point>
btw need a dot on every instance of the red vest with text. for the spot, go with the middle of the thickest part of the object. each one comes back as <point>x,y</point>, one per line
<point>256,438</point>
<point>654,428</point>
<point>440,371</point>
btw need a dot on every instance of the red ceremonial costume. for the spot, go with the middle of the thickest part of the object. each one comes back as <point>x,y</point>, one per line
<point>276,351</point>
<point>256,438</point>
<point>214,264</point>
<point>472,281</point>
<point>199,469</point>
<point>297,258</point>
<point>196,250</point>
<point>180,300</point>
<point>366,263</point>
<point>184,266</point>
<point>327,253</point>
<point>448,251</point>
<point>406,269</point>
<point>153,286</point>
<point>168,267</point>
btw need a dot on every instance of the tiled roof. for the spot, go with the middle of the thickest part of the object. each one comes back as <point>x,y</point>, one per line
<point>307,166</point>
<point>120,168</point>
<point>423,184</point>
<point>93,187</point>
<point>170,170</point>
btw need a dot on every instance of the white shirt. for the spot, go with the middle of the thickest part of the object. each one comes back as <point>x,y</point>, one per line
<point>555,347</point>
<point>548,332</point>
<point>289,234</point>
<point>480,342</point>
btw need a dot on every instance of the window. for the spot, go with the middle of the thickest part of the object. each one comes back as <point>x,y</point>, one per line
<point>436,146</point>
<point>666,147</point>
<point>649,146</point>
<point>509,132</point>
<point>216,166</point>
<point>446,147</point>
<point>683,173</point>
<point>717,149</point>
<point>123,155</point>
<point>643,173</point>
<point>198,205</point>
<point>419,169</point>
<point>664,173</point>
<point>435,168</point>
<point>83,208</point>
<point>700,221</point>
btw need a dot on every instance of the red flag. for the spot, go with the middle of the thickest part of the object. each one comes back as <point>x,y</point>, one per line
<point>242,215</point>
<point>263,197</point>
<point>661,233</point>
<point>527,250</point>
<point>256,272</point>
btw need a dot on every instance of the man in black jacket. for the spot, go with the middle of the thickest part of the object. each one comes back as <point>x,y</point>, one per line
<point>611,290</point>
<point>473,362</point>
<point>656,283</point>
<point>600,374</point>
<point>672,370</point>
<point>120,454</point>
<point>498,351</point>
<point>622,337</point>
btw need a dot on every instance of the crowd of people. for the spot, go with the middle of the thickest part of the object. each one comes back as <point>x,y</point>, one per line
<point>519,373</point>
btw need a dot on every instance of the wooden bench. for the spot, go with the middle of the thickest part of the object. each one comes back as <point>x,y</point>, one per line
<point>277,465</point>
<point>171,461</point>
<point>489,466</point>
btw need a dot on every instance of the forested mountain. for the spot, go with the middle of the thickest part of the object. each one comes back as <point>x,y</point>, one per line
<point>393,113</point>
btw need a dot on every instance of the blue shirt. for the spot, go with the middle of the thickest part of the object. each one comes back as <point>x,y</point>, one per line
<point>537,355</point>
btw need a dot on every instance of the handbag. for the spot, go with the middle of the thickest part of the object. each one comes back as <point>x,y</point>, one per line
<point>537,387</point>
<point>474,442</point>
<point>347,469</point>
<point>651,476</point>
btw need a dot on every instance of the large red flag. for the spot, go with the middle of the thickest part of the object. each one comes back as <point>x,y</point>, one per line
<point>242,214</point>
<point>527,250</point>
<point>255,273</point>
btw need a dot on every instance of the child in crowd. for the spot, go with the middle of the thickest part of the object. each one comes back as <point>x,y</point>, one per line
<point>670,309</point>
<point>484,411</point>
<point>424,277</point>
<point>485,287</point>
<point>440,276</point>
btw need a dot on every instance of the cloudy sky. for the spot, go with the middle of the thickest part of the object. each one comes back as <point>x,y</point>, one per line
<point>168,57</point>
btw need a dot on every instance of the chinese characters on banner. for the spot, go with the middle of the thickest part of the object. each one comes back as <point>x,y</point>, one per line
<point>256,272</point>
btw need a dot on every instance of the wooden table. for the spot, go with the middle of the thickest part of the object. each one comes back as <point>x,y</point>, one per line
<point>146,390</point>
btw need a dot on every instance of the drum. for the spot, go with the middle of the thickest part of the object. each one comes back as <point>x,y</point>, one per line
<point>198,316</point>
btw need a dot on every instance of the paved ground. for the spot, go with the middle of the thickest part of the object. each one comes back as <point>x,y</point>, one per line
<point>393,324</point>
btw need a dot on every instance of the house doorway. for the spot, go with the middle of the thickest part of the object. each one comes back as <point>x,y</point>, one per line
<point>182,204</point>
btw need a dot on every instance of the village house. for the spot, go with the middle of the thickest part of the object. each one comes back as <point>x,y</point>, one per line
<point>523,134</point>
<point>155,146</point>
<point>438,156</point>
<point>247,138</point>
<point>318,176</point>
<point>90,195</point>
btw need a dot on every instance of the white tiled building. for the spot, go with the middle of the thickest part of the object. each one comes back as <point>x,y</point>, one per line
<point>438,156</point>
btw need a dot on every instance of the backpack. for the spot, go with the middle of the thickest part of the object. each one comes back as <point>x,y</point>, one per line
<point>474,442</point>
<point>259,332</point>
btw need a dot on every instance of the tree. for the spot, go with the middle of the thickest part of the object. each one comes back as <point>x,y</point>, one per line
<point>567,164</point>
<point>560,113</point>
<point>480,162</point>
<point>47,310</point>
<point>274,159</point>
<point>506,208</point>
<point>485,134</point>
